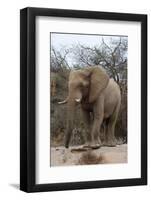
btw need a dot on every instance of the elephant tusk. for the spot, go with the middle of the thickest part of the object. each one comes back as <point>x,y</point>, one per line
<point>62,102</point>
<point>78,100</point>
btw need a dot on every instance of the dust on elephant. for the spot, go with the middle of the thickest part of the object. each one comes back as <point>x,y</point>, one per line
<point>100,100</point>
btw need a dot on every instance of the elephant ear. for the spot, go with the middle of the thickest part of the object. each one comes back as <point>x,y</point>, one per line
<point>98,82</point>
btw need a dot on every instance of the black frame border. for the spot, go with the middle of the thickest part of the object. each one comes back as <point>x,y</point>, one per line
<point>27,99</point>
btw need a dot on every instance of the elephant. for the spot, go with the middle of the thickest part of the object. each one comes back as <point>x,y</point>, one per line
<point>99,97</point>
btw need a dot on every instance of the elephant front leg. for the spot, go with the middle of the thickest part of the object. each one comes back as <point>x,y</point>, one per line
<point>95,133</point>
<point>68,134</point>
<point>98,113</point>
<point>103,132</point>
<point>87,127</point>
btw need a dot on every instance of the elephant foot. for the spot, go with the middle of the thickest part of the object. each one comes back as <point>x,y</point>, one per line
<point>87,145</point>
<point>79,149</point>
<point>92,146</point>
<point>110,144</point>
<point>96,146</point>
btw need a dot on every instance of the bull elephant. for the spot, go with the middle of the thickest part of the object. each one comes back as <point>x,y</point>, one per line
<point>100,100</point>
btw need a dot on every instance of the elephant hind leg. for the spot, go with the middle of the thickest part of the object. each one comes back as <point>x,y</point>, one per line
<point>111,122</point>
<point>103,131</point>
<point>110,138</point>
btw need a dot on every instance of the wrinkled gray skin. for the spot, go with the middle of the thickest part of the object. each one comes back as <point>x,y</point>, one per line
<point>99,97</point>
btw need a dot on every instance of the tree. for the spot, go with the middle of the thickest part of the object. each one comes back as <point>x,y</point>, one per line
<point>58,60</point>
<point>112,56</point>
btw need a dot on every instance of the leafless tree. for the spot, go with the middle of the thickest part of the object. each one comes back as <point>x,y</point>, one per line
<point>58,61</point>
<point>113,57</point>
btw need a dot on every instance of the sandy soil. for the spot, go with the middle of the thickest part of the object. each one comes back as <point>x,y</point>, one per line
<point>60,156</point>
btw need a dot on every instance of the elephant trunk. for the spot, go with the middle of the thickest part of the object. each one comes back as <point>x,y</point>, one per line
<point>70,121</point>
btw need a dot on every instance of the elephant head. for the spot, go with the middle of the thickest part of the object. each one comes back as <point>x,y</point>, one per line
<point>84,86</point>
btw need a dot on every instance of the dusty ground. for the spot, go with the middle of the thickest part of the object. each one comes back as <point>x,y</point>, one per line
<point>60,156</point>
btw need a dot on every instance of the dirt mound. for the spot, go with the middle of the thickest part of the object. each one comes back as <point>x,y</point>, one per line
<point>60,156</point>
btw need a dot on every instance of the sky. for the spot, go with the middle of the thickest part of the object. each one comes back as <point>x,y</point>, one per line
<point>61,41</point>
